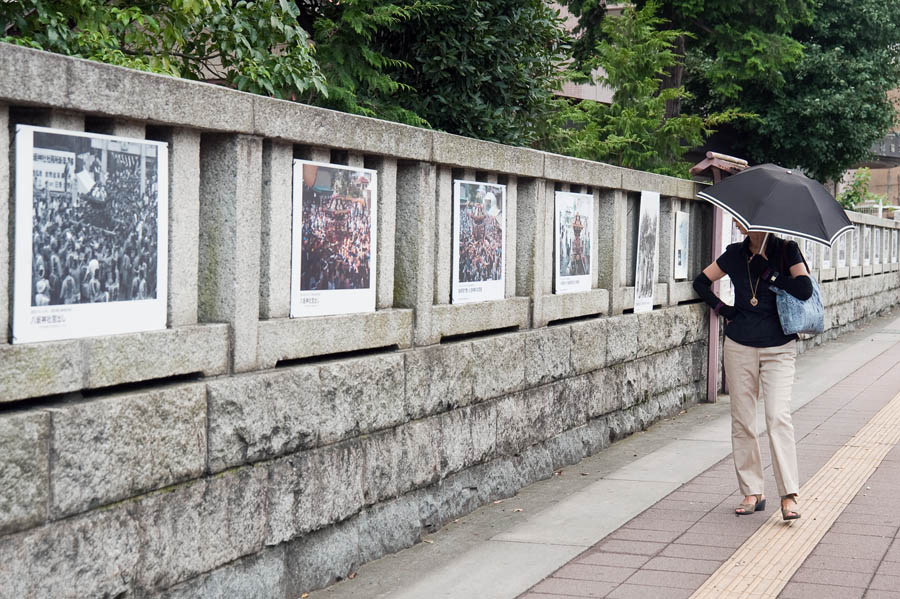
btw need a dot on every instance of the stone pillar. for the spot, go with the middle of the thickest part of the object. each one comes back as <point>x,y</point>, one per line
<point>184,225</point>
<point>277,210</point>
<point>443,268</point>
<point>510,260</point>
<point>611,246</point>
<point>531,227</point>
<point>414,251</point>
<point>230,190</point>
<point>387,232</point>
<point>7,218</point>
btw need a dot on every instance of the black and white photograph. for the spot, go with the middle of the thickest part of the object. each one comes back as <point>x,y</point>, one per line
<point>886,246</point>
<point>876,245</point>
<point>333,239</point>
<point>680,253</point>
<point>867,245</point>
<point>479,241</point>
<point>646,262</point>
<point>91,235</point>
<point>855,242</point>
<point>826,257</point>
<point>894,238</point>
<point>842,249</point>
<point>574,235</point>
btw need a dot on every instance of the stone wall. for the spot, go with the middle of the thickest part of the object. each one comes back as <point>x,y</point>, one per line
<point>242,453</point>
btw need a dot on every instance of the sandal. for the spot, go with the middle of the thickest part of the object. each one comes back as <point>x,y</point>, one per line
<point>745,509</point>
<point>789,514</point>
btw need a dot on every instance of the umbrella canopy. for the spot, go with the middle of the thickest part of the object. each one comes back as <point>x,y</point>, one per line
<point>779,200</point>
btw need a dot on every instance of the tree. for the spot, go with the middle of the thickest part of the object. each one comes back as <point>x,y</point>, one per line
<point>485,68</point>
<point>833,105</point>
<point>349,36</point>
<point>255,46</point>
<point>633,131</point>
<point>858,191</point>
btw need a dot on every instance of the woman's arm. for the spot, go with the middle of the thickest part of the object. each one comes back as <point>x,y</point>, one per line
<point>796,282</point>
<point>703,287</point>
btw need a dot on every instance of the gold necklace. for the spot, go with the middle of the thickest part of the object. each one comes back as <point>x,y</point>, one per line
<point>753,288</point>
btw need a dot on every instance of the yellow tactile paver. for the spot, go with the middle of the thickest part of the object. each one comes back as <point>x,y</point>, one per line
<point>764,564</point>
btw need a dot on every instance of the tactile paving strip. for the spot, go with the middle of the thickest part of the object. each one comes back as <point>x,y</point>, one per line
<point>763,565</point>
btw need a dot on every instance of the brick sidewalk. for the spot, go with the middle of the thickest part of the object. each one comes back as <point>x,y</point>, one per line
<point>672,548</point>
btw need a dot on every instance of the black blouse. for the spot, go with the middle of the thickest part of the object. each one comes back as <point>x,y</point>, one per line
<point>757,326</point>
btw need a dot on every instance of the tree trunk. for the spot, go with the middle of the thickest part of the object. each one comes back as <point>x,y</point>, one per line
<point>673,79</point>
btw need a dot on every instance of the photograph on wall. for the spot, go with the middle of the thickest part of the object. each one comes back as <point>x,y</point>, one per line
<point>574,234</point>
<point>91,235</point>
<point>810,249</point>
<point>333,239</point>
<point>646,262</point>
<point>894,237</point>
<point>867,245</point>
<point>680,253</point>
<point>886,246</point>
<point>826,256</point>
<point>876,245</point>
<point>729,226</point>
<point>479,241</point>
<point>842,249</point>
<point>855,242</point>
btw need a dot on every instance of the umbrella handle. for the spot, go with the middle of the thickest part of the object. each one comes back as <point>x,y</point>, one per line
<point>762,246</point>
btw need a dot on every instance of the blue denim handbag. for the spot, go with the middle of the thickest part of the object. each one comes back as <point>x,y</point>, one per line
<point>801,316</point>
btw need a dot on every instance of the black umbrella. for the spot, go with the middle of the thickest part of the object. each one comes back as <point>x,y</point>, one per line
<point>779,200</point>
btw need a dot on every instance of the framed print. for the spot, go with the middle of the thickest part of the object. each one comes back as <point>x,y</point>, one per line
<point>867,245</point>
<point>886,246</point>
<point>842,249</point>
<point>333,241</point>
<point>91,235</point>
<point>894,237</point>
<point>646,263</point>
<point>680,250</point>
<point>855,242</point>
<point>876,245</point>
<point>726,290</point>
<point>826,256</point>
<point>479,241</point>
<point>574,233</point>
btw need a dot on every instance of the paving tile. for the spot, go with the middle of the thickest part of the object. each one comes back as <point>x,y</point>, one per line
<point>574,588</point>
<point>843,564</point>
<point>885,582</point>
<point>832,577</point>
<point>721,540</point>
<point>593,572</point>
<point>803,590</point>
<point>861,551</point>
<point>636,591</point>
<point>839,538</point>
<point>737,526</point>
<point>854,528</point>
<point>889,568</point>
<point>876,520</point>
<point>667,579</point>
<point>636,547</point>
<point>680,564</point>
<point>642,523</point>
<point>635,534</point>
<point>623,560</point>
<point>677,515</point>
<point>873,594</point>
<point>697,552</point>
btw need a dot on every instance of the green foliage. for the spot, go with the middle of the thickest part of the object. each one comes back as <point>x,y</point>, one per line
<point>858,191</point>
<point>359,76</point>
<point>633,131</point>
<point>485,69</point>
<point>833,105</point>
<point>255,46</point>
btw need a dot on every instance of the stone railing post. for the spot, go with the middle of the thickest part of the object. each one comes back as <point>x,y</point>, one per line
<point>230,199</point>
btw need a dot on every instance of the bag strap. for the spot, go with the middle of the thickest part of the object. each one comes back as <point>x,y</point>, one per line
<point>784,246</point>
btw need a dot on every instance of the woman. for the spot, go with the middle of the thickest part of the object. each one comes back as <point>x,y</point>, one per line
<point>759,359</point>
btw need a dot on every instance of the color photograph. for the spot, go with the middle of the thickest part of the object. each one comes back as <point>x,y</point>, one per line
<point>479,241</point>
<point>574,236</point>
<point>333,240</point>
<point>91,235</point>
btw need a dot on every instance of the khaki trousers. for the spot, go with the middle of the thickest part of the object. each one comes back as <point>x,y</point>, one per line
<point>762,373</point>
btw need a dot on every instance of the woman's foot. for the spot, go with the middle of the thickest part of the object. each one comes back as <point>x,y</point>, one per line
<point>751,504</point>
<point>789,508</point>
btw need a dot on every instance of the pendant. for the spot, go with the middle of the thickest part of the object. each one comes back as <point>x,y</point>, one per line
<point>753,301</point>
